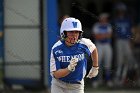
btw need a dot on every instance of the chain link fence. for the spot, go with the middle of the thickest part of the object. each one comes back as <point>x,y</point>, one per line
<point>22,65</point>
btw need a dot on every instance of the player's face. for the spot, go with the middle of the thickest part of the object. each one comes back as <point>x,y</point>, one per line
<point>103,20</point>
<point>72,37</point>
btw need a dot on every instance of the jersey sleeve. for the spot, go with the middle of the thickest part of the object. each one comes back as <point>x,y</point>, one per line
<point>52,62</point>
<point>91,46</point>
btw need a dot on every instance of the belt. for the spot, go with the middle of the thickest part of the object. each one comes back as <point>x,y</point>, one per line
<point>72,82</point>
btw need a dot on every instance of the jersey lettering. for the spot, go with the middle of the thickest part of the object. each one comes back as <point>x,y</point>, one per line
<point>68,58</point>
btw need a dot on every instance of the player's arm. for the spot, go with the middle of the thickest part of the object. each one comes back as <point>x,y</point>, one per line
<point>99,36</point>
<point>94,57</point>
<point>95,66</point>
<point>57,73</point>
<point>109,34</point>
<point>64,72</point>
<point>61,73</point>
<point>103,36</point>
<point>1,34</point>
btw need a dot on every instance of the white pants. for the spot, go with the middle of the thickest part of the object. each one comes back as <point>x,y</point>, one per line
<point>59,86</point>
<point>105,54</point>
<point>105,59</point>
<point>124,55</point>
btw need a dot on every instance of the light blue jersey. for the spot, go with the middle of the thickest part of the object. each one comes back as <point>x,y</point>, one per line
<point>61,54</point>
<point>102,29</point>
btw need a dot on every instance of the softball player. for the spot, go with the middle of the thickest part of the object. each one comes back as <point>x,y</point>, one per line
<point>123,32</point>
<point>68,62</point>
<point>1,46</point>
<point>102,31</point>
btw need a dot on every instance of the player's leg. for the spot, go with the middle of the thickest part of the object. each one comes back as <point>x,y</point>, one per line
<point>57,87</point>
<point>108,64</point>
<point>119,64</point>
<point>120,53</point>
<point>129,54</point>
<point>75,88</point>
<point>75,91</point>
<point>131,64</point>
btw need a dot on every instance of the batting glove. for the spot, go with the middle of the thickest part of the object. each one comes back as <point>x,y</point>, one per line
<point>93,72</point>
<point>72,65</point>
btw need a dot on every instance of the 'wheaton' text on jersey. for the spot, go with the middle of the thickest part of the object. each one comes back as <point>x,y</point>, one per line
<point>68,58</point>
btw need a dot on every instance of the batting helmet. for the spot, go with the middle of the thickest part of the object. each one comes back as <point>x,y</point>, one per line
<point>70,24</point>
<point>104,15</point>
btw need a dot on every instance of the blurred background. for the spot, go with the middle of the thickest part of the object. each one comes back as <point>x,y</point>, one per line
<point>29,28</point>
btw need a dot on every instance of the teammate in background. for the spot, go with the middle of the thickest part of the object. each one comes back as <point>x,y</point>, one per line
<point>1,47</point>
<point>123,33</point>
<point>68,62</point>
<point>102,32</point>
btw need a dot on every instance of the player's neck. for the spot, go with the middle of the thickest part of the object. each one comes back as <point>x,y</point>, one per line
<point>70,42</point>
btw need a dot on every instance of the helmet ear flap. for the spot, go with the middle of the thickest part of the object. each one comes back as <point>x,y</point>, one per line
<point>80,35</point>
<point>63,35</point>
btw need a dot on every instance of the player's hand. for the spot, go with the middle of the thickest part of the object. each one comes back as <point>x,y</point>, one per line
<point>93,72</point>
<point>72,65</point>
